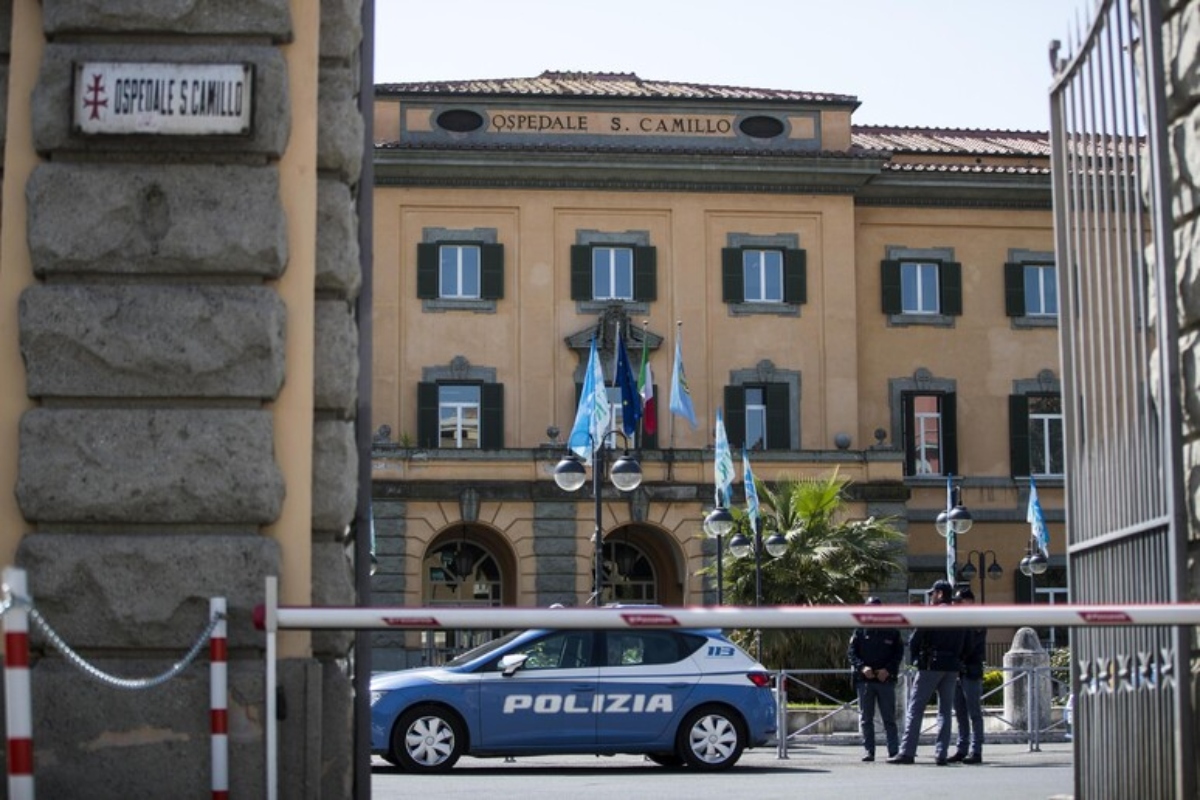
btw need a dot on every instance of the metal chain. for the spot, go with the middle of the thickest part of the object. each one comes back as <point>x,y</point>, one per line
<point>95,672</point>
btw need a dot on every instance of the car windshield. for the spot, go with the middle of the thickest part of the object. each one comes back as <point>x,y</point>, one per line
<point>483,649</point>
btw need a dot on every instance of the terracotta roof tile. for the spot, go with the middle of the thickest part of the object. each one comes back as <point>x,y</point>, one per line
<point>952,141</point>
<point>607,84</point>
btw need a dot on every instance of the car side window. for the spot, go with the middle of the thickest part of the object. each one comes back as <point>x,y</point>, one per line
<point>562,650</point>
<point>637,648</point>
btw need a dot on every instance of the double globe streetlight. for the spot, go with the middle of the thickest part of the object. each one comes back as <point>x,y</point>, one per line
<point>718,524</point>
<point>993,572</point>
<point>625,474</point>
<point>951,523</point>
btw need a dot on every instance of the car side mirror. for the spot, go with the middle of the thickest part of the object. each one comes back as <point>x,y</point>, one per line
<point>512,662</point>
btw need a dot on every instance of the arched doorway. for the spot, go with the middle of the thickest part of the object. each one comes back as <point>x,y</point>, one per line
<point>465,565</point>
<point>641,565</point>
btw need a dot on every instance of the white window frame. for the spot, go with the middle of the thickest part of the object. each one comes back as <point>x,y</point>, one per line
<point>926,423</point>
<point>609,254</point>
<point>1042,279</point>
<point>914,300</point>
<point>756,413</point>
<point>461,269</point>
<point>1040,425</point>
<point>457,414</point>
<point>762,270</point>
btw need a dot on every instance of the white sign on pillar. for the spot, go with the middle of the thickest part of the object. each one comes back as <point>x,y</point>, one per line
<point>165,99</point>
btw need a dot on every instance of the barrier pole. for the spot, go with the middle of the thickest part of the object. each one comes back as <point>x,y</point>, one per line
<point>271,626</point>
<point>18,704</point>
<point>219,700</point>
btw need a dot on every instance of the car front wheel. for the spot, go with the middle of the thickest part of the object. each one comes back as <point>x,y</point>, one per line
<point>427,739</point>
<point>711,738</point>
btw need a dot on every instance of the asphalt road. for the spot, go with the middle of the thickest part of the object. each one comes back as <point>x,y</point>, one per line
<point>811,771</point>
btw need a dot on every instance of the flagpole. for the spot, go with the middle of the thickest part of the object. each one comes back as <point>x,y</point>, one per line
<point>678,335</point>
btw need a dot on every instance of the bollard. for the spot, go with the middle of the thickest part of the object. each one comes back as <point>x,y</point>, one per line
<point>17,692</point>
<point>1027,692</point>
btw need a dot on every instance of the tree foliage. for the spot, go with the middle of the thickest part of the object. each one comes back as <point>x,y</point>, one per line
<point>830,560</point>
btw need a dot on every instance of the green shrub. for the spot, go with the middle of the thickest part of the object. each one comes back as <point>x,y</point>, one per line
<point>993,679</point>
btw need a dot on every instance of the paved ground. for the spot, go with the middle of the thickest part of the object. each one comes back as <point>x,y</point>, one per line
<point>811,771</point>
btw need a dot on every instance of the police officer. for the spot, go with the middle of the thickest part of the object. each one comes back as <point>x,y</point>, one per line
<point>937,653</point>
<point>875,655</point>
<point>968,698</point>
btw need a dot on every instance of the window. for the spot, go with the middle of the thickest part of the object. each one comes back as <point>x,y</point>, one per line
<point>460,415</point>
<point>763,275</point>
<point>459,272</point>
<point>758,416</point>
<point>469,271</point>
<point>929,433</point>
<point>1036,429</point>
<point>1030,290</point>
<point>922,287</point>
<point>613,271</point>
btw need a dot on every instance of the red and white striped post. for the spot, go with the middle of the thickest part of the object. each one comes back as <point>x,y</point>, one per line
<point>219,700</point>
<point>18,703</point>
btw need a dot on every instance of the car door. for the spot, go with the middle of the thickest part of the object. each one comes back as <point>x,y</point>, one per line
<point>543,701</point>
<point>644,684</point>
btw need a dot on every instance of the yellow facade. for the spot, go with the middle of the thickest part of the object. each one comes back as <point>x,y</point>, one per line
<point>839,200</point>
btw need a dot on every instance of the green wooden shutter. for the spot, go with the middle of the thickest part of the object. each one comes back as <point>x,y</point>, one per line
<point>779,412</point>
<point>491,271</point>
<point>908,433</point>
<point>950,282</point>
<point>733,285</point>
<point>1014,290</point>
<point>581,272</point>
<point>735,416</point>
<point>1018,434</point>
<point>795,276</point>
<point>427,271</point>
<point>889,276</point>
<point>645,274</point>
<point>427,415</point>
<point>491,416</point>
<point>949,434</point>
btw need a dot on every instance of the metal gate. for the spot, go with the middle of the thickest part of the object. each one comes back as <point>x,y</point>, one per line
<point>1127,531</point>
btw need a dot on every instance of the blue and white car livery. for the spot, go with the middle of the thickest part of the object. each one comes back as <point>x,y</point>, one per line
<point>689,698</point>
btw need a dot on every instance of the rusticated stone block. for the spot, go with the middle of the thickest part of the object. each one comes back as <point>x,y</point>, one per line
<point>147,465</point>
<point>340,128</point>
<point>333,585</point>
<point>146,591</point>
<point>53,126</point>
<point>104,340</point>
<point>240,17</point>
<point>341,29</point>
<point>95,741</point>
<point>335,476</point>
<point>194,220</point>
<point>336,358</point>
<point>338,259</point>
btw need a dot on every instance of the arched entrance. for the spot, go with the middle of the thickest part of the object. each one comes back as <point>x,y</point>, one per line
<point>641,565</point>
<point>464,565</point>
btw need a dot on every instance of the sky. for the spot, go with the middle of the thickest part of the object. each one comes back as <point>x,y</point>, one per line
<point>925,63</point>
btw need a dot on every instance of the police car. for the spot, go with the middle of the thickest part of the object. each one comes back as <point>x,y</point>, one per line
<point>682,698</point>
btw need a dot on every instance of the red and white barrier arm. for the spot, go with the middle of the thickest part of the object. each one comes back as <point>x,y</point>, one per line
<point>219,700</point>
<point>18,702</point>
<point>509,618</point>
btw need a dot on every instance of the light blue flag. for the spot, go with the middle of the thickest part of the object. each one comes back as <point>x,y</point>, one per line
<point>751,490</point>
<point>631,401</point>
<point>591,418</point>
<point>681,398</point>
<point>722,463</point>
<point>1037,519</point>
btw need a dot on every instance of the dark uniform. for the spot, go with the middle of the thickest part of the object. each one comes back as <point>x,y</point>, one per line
<point>968,699</point>
<point>937,654</point>
<point>875,655</point>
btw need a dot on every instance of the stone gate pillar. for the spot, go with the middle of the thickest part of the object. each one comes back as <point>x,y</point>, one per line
<point>1027,671</point>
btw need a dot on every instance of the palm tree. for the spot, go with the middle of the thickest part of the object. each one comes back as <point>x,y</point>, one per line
<point>829,560</point>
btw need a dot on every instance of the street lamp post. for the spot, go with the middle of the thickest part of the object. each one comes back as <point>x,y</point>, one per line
<point>625,474</point>
<point>717,525</point>
<point>1032,565</point>
<point>984,571</point>
<point>740,546</point>
<point>952,522</point>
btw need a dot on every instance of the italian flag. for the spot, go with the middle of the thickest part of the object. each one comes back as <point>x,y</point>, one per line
<point>646,390</point>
